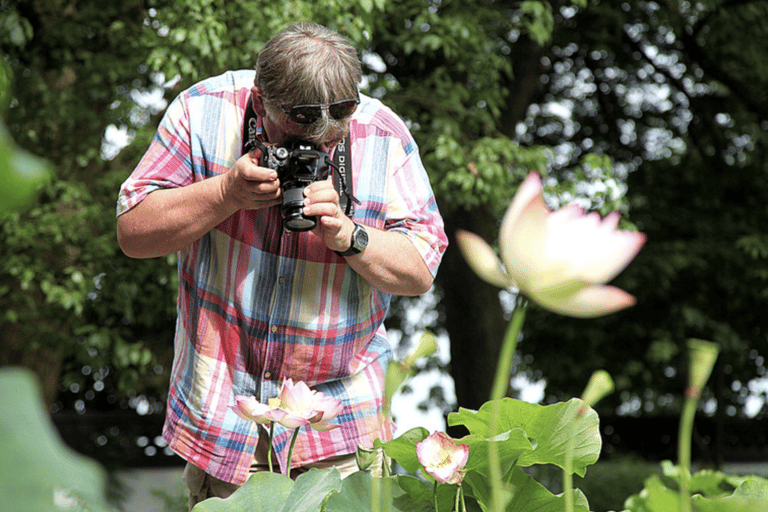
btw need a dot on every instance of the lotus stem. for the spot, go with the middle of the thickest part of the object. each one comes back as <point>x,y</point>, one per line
<point>685,436</point>
<point>702,359</point>
<point>269,451</point>
<point>499,391</point>
<point>375,494</point>
<point>568,475</point>
<point>290,451</point>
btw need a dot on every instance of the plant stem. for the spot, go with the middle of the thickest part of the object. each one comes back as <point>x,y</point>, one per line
<point>568,471</point>
<point>434,495</point>
<point>499,391</point>
<point>685,436</point>
<point>290,451</point>
<point>507,353</point>
<point>269,451</point>
<point>375,494</point>
<point>456,500</point>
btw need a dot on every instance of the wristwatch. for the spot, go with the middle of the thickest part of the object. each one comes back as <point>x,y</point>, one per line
<point>359,241</point>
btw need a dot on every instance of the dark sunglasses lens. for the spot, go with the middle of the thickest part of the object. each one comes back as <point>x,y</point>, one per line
<point>342,109</point>
<point>306,114</point>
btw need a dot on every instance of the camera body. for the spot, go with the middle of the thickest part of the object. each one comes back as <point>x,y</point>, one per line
<point>298,165</point>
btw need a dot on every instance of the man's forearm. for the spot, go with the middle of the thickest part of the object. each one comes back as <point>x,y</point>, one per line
<point>169,220</point>
<point>392,264</point>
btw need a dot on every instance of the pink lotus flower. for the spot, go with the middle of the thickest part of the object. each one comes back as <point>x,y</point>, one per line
<point>296,405</point>
<point>559,259</point>
<point>443,458</point>
<point>251,409</point>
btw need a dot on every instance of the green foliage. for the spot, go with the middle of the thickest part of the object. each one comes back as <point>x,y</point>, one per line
<point>491,90</point>
<point>547,429</point>
<point>72,303</point>
<point>40,473</point>
<point>75,70</point>
<point>21,173</point>
<point>675,98</point>
<point>712,491</point>
<point>533,435</point>
<point>273,492</point>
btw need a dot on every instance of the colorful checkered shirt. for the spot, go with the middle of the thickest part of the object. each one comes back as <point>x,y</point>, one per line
<point>258,305</point>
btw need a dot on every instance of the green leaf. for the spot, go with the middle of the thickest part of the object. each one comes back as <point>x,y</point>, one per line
<point>21,174</point>
<point>706,482</point>
<point>416,488</point>
<point>39,472</point>
<point>750,496</point>
<point>512,445</point>
<point>419,495</point>
<point>659,498</point>
<point>357,491</point>
<point>403,448</point>
<point>548,427</point>
<point>525,494</point>
<point>312,490</point>
<point>264,491</point>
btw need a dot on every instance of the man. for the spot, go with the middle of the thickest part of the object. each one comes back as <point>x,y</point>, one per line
<point>259,304</point>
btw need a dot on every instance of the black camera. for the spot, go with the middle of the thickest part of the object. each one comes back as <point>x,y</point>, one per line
<point>298,165</point>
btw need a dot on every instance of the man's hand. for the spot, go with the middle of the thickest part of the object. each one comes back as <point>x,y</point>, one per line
<point>322,201</point>
<point>248,186</point>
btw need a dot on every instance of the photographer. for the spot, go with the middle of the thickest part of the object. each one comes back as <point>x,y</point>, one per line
<point>259,303</point>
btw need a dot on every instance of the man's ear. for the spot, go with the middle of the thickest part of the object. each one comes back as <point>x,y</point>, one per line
<point>258,101</point>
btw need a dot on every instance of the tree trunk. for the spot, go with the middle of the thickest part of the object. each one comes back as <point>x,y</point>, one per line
<point>474,317</point>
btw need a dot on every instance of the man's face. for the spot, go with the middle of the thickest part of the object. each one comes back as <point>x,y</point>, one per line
<point>283,130</point>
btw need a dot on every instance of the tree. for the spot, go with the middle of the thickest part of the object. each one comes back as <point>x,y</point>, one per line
<point>675,96</point>
<point>74,307</point>
<point>653,95</point>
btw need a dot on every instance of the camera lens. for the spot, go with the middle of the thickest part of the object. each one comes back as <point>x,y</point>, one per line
<point>299,222</point>
<point>293,204</point>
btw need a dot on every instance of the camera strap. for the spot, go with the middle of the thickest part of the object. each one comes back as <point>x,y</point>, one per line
<point>342,163</point>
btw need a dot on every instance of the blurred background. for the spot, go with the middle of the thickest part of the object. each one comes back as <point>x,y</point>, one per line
<point>656,109</point>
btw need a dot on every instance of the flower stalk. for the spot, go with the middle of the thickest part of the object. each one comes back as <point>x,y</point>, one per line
<point>499,391</point>
<point>600,384</point>
<point>290,452</point>
<point>269,451</point>
<point>703,355</point>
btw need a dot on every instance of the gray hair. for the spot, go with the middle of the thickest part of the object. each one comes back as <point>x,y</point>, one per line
<point>309,64</point>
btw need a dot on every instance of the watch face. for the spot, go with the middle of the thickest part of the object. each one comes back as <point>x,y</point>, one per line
<point>361,238</point>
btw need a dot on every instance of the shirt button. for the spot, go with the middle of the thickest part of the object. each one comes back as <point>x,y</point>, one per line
<point>273,328</point>
<point>267,375</point>
<point>281,280</point>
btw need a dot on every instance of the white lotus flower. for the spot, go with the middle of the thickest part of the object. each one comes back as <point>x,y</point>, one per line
<point>559,259</point>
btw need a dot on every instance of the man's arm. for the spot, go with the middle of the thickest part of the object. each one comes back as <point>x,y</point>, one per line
<point>390,263</point>
<point>170,219</point>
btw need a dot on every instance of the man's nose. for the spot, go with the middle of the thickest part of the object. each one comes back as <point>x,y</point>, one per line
<point>327,147</point>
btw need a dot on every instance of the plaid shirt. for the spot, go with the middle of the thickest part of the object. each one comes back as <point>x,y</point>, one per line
<point>258,305</point>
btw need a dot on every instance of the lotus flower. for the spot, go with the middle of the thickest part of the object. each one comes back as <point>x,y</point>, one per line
<point>559,259</point>
<point>296,405</point>
<point>443,458</point>
<point>251,409</point>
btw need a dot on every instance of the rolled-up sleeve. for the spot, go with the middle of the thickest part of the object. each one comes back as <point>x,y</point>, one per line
<point>412,209</point>
<point>167,162</point>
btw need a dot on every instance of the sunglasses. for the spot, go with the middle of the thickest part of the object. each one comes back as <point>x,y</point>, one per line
<point>308,114</point>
